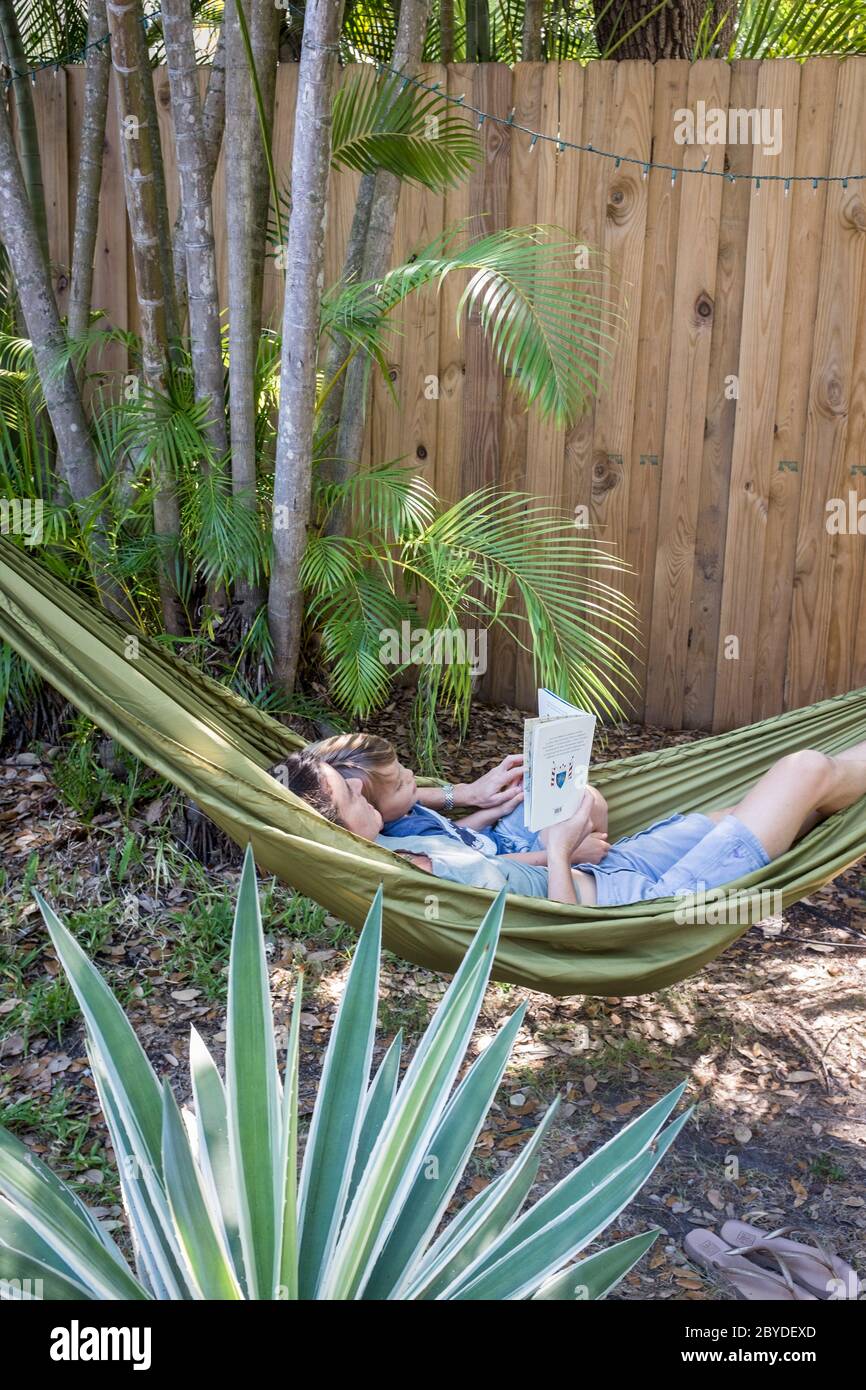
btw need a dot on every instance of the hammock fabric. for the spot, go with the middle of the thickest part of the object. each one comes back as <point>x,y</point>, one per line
<point>215,747</point>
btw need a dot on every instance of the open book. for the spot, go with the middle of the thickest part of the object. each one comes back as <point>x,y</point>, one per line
<point>557,747</point>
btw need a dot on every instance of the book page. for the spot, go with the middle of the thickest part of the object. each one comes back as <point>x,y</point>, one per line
<point>559,757</point>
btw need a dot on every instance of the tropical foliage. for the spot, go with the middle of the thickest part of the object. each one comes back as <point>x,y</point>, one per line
<point>549,325</point>
<point>569,29</point>
<point>219,1208</point>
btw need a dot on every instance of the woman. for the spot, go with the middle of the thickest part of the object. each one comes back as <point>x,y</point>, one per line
<point>679,854</point>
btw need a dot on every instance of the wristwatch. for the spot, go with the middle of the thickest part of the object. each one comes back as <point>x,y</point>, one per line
<point>448,790</point>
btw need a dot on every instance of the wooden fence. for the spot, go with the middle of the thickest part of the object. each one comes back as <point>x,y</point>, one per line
<point>735,408</point>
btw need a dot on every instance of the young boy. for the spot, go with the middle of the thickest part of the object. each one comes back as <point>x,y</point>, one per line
<point>496,828</point>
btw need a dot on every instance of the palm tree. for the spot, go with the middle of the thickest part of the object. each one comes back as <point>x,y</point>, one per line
<point>147,231</point>
<point>251,64</point>
<point>197,231</point>
<point>98,64</point>
<point>76,455</point>
<point>305,250</point>
<point>12,49</point>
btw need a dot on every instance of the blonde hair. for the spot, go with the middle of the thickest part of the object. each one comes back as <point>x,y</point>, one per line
<point>365,756</point>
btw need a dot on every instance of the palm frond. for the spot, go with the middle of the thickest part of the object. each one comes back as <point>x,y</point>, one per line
<point>353,625</point>
<point>223,536</point>
<point>515,547</point>
<point>550,322</point>
<point>388,123</point>
<point>388,499</point>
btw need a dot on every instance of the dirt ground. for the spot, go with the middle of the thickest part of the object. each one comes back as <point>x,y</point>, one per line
<point>770,1036</point>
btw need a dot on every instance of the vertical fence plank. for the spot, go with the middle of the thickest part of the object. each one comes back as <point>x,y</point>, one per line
<point>165,120</point>
<point>622,200</point>
<point>720,418</point>
<point>558,181</point>
<point>523,210</point>
<point>110,263</point>
<point>849,487</point>
<point>488,206</point>
<point>452,344</point>
<point>49,100</point>
<point>760,360</point>
<point>857,433</point>
<point>409,428</point>
<point>653,357</point>
<point>840,280</point>
<point>599,129</point>
<point>694,294</point>
<point>814,132</point>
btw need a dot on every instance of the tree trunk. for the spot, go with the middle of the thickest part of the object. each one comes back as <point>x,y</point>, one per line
<point>198,233</point>
<point>247,199</point>
<point>141,204</point>
<point>477,31</point>
<point>151,120</point>
<point>533,16</point>
<point>671,33</point>
<point>89,172</point>
<point>378,246</point>
<point>446,30</point>
<point>213,123</point>
<point>28,139</point>
<point>77,460</point>
<point>305,250</point>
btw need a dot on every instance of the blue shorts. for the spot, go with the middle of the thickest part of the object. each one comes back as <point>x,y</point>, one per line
<point>680,854</point>
<point>511,835</point>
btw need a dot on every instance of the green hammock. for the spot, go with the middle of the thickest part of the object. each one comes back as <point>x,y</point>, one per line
<point>215,748</point>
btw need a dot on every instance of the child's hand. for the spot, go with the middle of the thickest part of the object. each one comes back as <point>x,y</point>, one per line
<point>591,850</point>
<point>566,835</point>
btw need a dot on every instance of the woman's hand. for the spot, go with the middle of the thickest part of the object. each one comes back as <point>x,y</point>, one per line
<point>502,784</point>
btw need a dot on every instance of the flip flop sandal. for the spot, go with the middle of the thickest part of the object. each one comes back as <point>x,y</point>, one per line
<point>813,1267</point>
<point>749,1279</point>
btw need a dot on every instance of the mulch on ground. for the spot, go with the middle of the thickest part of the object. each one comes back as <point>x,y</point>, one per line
<point>770,1036</point>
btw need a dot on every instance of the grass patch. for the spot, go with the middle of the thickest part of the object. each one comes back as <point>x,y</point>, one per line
<point>825,1168</point>
<point>54,1123</point>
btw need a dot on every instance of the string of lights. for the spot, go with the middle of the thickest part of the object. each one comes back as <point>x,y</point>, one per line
<point>645,165</point>
<point>78,56</point>
<point>535,136</point>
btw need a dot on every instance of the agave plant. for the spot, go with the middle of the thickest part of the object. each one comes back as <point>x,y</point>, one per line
<point>215,1205</point>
